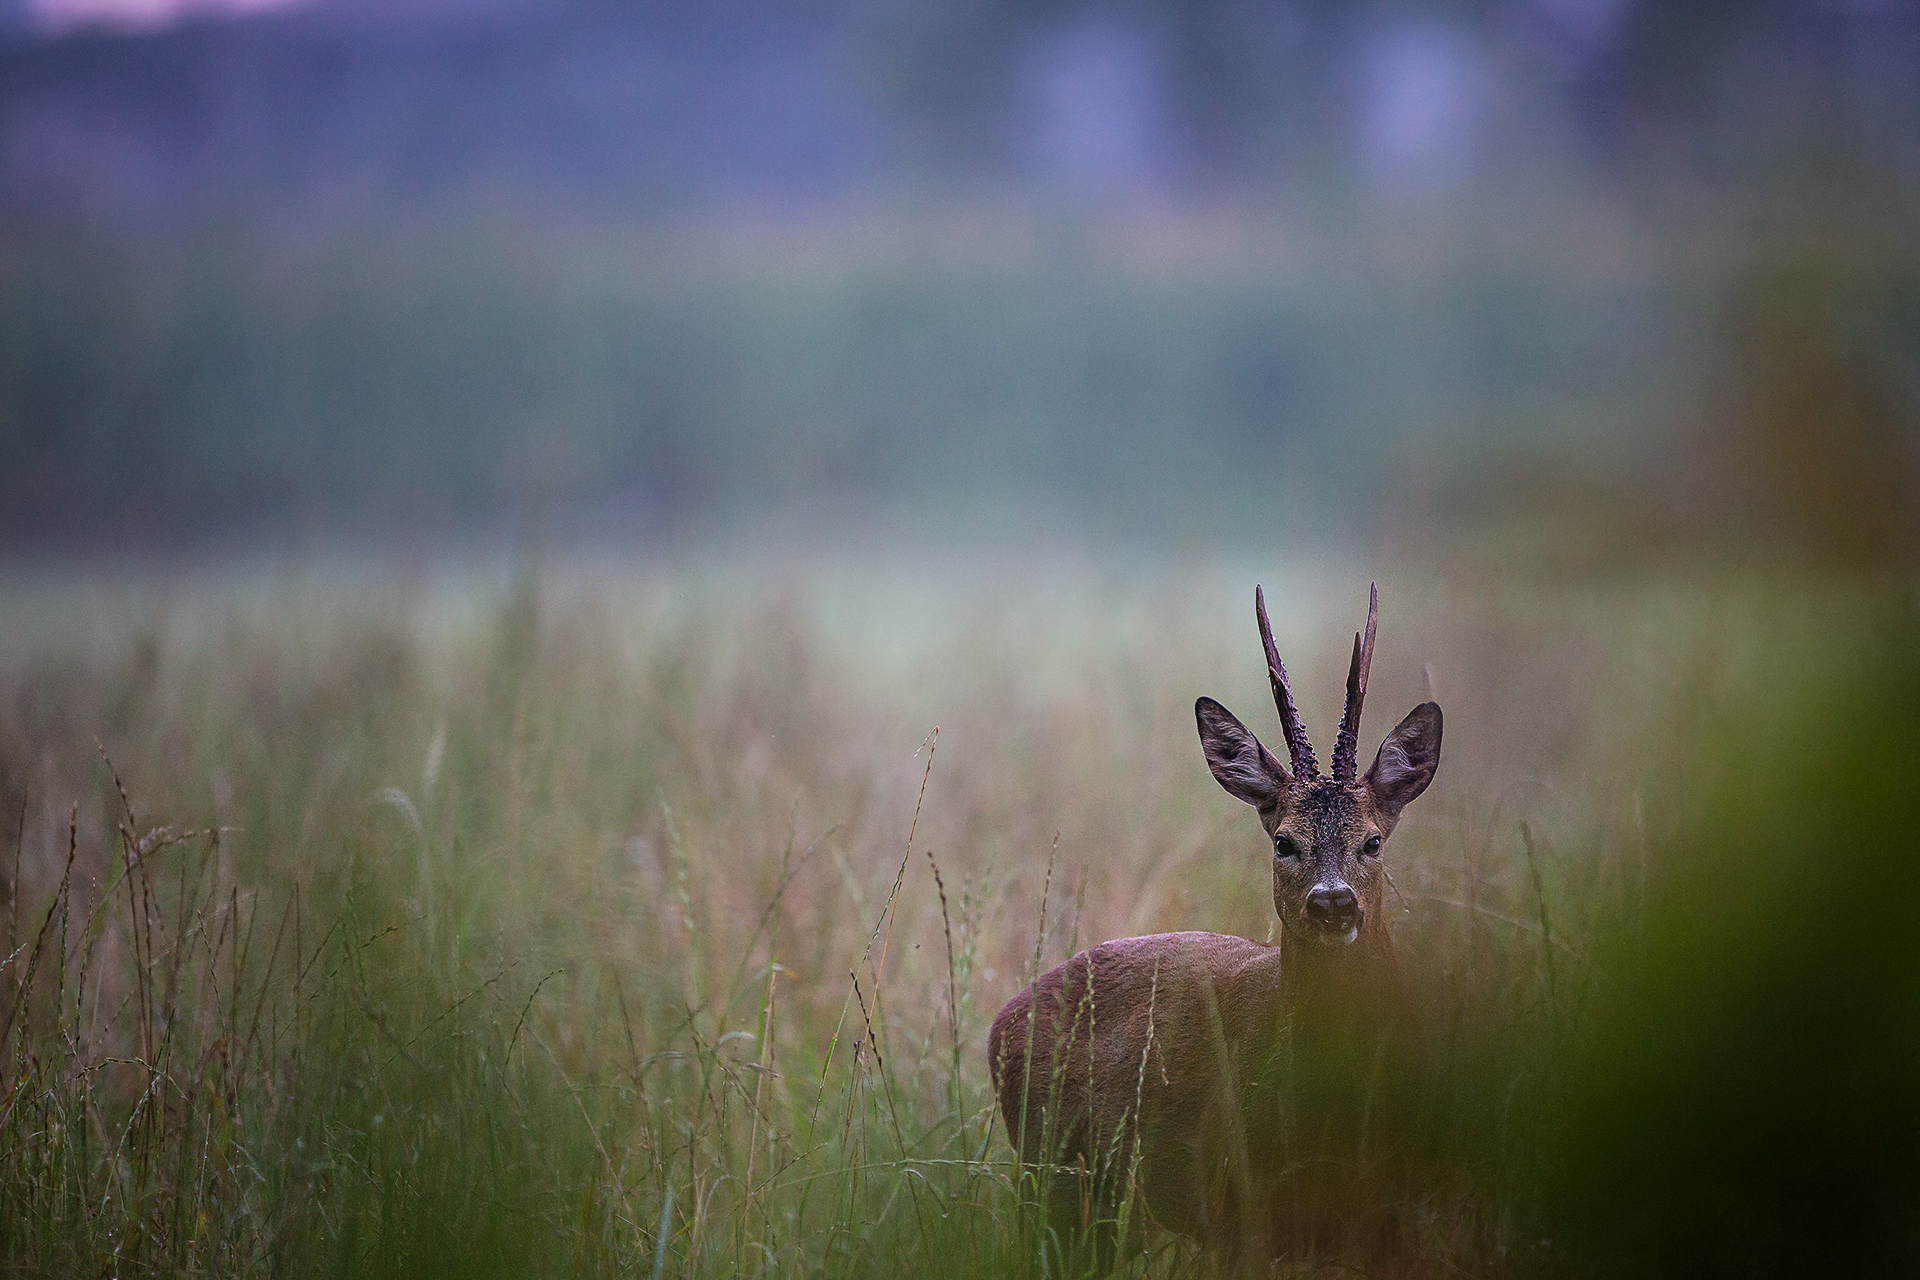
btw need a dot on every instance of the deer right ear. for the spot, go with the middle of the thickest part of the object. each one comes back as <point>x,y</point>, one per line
<point>1239,761</point>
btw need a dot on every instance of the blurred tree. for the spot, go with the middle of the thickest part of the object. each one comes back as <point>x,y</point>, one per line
<point>1666,53</point>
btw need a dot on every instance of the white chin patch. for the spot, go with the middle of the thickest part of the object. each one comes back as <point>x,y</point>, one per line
<point>1345,937</point>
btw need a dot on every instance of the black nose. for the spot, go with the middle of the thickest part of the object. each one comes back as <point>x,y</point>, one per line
<point>1333,908</point>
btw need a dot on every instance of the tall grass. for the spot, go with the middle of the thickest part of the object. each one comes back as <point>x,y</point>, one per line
<point>651,924</point>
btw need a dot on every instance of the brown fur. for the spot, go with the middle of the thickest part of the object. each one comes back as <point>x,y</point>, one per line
<point>1245,1091</point>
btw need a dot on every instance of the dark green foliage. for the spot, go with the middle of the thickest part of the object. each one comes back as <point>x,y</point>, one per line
<point>1745,1096</point>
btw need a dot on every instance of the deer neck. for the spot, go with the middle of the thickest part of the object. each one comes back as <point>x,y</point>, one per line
<point>1338,979</point>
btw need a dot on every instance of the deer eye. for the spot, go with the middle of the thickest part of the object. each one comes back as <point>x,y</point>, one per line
<point>1371,849</point>
<point>1285,848</point>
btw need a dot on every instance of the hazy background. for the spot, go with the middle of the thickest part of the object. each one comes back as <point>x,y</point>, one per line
<point>495,499</point>
<point>1595,275</point>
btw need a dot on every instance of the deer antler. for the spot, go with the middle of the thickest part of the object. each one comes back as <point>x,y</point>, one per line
<point>1305,767</point>
<point>1346,747</point>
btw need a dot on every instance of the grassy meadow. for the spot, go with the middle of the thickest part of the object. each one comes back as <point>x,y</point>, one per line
<point>605,918</point>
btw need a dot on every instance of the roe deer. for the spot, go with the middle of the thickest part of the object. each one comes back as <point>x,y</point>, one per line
<point>1237,1086</point>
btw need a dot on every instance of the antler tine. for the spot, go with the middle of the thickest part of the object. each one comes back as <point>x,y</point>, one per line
<point>1346,747</point>
<point>1298,748</point>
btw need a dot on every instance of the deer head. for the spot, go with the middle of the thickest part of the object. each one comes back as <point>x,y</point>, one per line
<point>1327,832</point>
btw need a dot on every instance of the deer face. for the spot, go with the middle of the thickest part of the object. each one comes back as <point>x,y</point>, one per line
<point>1327,833</point>
<point>1326,864</point>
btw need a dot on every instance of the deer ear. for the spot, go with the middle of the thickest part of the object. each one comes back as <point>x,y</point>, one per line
<point>1239,762</point>
<point>1407,759</point>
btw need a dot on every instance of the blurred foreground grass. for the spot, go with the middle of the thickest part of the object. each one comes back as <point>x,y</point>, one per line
<point>609,923</point>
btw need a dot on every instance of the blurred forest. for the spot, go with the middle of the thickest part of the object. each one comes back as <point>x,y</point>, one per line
<point>1194,271</point>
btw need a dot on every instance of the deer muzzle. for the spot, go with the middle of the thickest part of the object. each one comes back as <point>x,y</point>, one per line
<point>1334,913</point>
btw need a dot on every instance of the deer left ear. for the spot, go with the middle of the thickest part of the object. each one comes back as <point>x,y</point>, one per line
<point>1407,759</point>
<point>1240,762</point>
